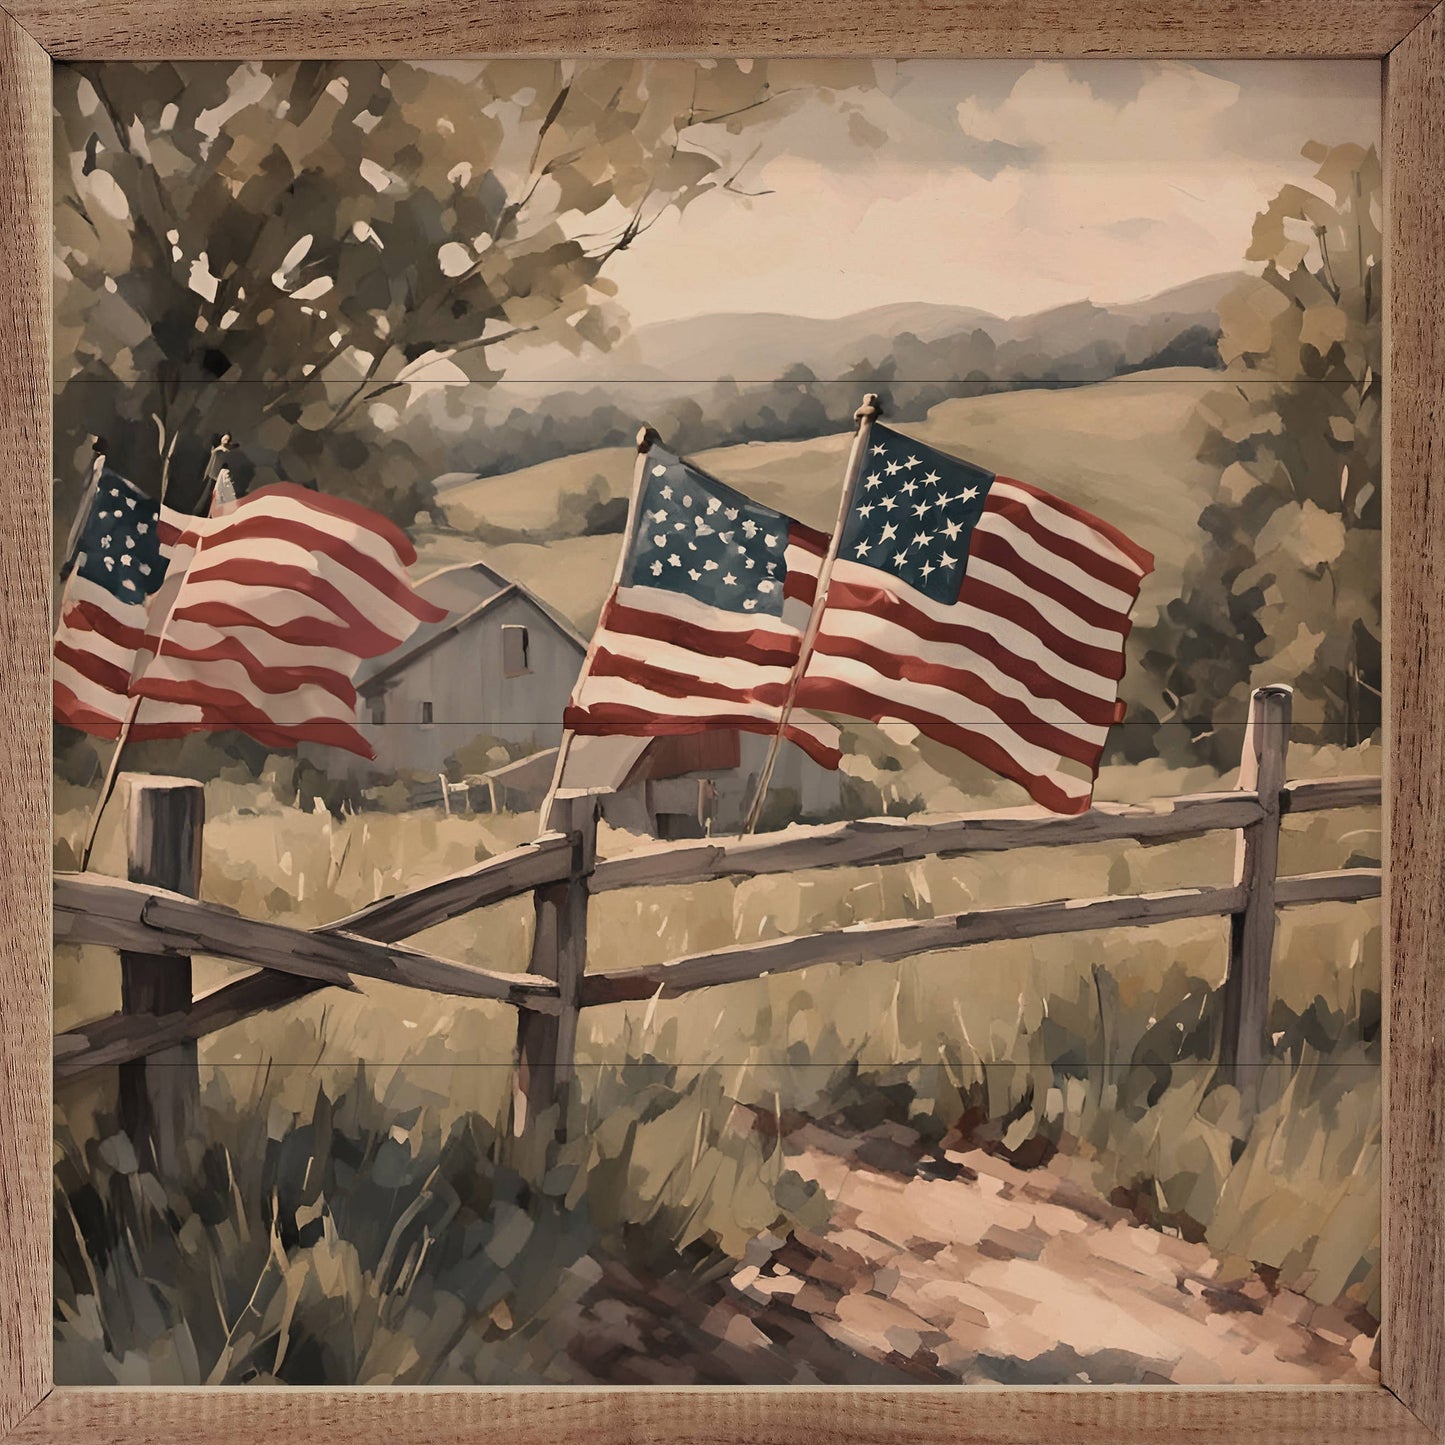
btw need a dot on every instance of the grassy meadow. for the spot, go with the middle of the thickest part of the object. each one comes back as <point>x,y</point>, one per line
<point>354,1164</point>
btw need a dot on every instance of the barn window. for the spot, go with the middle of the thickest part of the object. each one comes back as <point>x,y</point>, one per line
<point>426,713</point>
<point>378,709</point>
<point>516,647</point>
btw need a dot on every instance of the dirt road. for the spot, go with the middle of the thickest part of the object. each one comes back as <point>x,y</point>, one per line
<point>962,1268</point>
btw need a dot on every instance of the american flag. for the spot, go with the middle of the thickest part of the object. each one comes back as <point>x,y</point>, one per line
<point>704,627</point>
<point>253,620</point>
<point>984,611</point>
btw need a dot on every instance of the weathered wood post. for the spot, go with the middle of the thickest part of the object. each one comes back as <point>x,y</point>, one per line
<point>546,1041</point>
<point>1256,866</point>
<point>160,1095</point>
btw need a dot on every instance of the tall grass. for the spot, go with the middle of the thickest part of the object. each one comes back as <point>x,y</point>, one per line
<point>363,1239</point>
<point>368,1226</point>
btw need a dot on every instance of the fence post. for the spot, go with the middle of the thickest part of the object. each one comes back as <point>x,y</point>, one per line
<point>160,1094</point>
<point>546,1042</point>
<point>1256,867</point>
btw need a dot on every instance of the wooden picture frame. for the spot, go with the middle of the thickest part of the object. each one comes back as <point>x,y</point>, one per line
<point>1408,37</point>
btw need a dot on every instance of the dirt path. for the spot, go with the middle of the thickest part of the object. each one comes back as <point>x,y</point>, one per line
<point>965,1269</point>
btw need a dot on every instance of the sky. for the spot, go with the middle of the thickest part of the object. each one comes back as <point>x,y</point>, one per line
<point>1006,186</point>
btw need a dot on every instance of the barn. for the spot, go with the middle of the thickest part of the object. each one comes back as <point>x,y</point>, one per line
<point>500,665</point>
<point>498,670</point>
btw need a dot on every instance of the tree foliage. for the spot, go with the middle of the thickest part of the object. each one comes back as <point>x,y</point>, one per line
<point>324,234</point>
<point>1287,585</point>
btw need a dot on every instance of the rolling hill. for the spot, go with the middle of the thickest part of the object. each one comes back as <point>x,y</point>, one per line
<point>1124,448</point>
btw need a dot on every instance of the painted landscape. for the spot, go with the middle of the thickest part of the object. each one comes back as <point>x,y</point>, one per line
<point>452,295</point>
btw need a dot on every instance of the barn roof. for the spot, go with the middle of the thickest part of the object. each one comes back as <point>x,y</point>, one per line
<point>469,591</point>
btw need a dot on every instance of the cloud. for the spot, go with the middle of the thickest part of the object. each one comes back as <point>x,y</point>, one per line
<point>1007,186</point>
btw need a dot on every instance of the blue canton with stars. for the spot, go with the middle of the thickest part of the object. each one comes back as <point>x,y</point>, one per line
<point>120,542</point>
<point>698,537</point>
<point>914,513</point>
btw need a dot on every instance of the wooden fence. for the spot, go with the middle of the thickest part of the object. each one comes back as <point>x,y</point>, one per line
<point>154,918</point>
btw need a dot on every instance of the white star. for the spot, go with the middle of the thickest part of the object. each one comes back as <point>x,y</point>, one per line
<point>952,529</point>
<point>946,561</point>
<point>674,560</point>
<point>969,493</point>
<point>923,539</point>
<point>660,540</point>
<point>901,559</point>
<point>911,462</point>
<point>687,501</point>
<point>657,569</point>
<point>865,511</point>
<point>713,505</point>
<point>889,532</point>
<point>660,515</point>
<point>729,580</point>
<point>724,536</point>
<point>666,494</point>
<point>927,569</point>
<point>679,526</point>
<point>709,565</point>
<point>930,479</point>
<point>748,562</point>
<point>731,514</point>
<point>750,528</point>
<point>771,540</point>
<point>878,451</point>
<point>749,603</point>
<point>694,574</point>
<point>145,568</point>
<point>659,470</point>
<point>920,509</point>
<point>861,549</point>
<point>909,487</point>
<point>105,542</point>
<point>874,480</point>
<point>888,504</point>
<point>766,586</point>
<point>142,526</point>
<point>892,468</point>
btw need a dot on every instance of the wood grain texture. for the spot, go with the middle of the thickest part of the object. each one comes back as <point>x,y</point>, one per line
<point>1413,1361</point>
<point>24,724</point>
<point>243,29</point>
<point>1416,1192</point>
<point>90,908</point>
<point>866,841</point>
<point>507,875</point>
<point>887,942</point>
<point>122,1036</point>
<point>1148,1415</point>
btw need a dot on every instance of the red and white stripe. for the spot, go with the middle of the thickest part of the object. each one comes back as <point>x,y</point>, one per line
<point>262,619</point>
<point>663,663</point>
<point>1021,673</point>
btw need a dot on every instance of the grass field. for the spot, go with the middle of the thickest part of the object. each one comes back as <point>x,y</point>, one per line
<point>1090,1053</point>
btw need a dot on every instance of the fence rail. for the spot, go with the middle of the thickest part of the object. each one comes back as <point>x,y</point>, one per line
<point>164,928</point>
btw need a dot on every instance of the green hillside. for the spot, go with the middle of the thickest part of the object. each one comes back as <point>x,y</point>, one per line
<point>1124,448</point>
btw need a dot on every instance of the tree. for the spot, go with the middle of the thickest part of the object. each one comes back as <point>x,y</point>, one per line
<point>1287,585</point>
<point>326,234</point>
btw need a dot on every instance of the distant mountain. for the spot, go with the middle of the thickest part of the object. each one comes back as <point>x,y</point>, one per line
<point>768,345</point>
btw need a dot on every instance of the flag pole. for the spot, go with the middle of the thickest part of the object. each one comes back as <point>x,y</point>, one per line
<point>863,418</point>
<point>646,437</point>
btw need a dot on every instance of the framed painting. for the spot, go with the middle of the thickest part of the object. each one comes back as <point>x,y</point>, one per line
<point>723,724</point>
